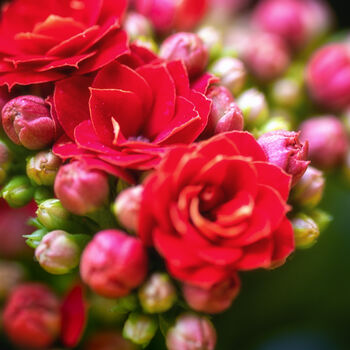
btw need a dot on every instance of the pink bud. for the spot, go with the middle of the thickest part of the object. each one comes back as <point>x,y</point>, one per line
<point>284,149</point>
<point>191,332</point>
<point>127,206</point>
<point>32,316</point>
<point>80,189</point>
<point>328,76</point>
<point>327,139</point>
<point>114,263</point>
<point>214,300</point>
<point>187,47</point>
<point>137,25</point>
<point>27,121</point>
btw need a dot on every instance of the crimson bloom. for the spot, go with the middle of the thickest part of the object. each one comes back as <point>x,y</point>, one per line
<point>42,41</point>
<point>216,207</point>
<point>125,118</point>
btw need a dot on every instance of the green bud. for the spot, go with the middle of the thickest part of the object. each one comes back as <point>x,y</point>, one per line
<point>18,192</point>
<point>52,214</point>
<point>34,239</point>
<point>139,328</point>
<point>148,43</point>
<point>322,218</point>
<point>42,193</point>
<point>276,123</point>
<point>306,231</point>
<point>42,168</point>
<point>158,294</point>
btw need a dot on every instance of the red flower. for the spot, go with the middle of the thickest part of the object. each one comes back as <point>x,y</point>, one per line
<point>42,41</point>
<point>125,118</point>
<point>216,207</point>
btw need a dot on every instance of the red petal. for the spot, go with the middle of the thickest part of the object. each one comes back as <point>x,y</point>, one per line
<point>35,43</point>
<point>283,239</point>
<point>202,83</point>
<point>65,148</point>
<point>218,255</point>
<point>179,74</point>
<point>66,62</point>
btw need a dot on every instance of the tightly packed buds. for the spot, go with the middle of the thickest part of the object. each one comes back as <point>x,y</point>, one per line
<point>18,191</point>
<point>32,316</point>
<point>127,206</point>
<point>172,14</point>
<point>286,92</point>
<point>11,274</point>
<point>191,332</point>
<point>80,189</point>
<point>58,252</point>
<point>5,159</point>
<point>231,72</point>
<point>113,272</point>
<point>306,231</point>
<point>212,39</point>
<point>189,48</point>
<point>214,300</point>
<point>43,167</point>
<point>284,149</point>
<point>27,122</point>
<point>309,189</point>
<point>254,107</point>
<point>267,56</point>
<point>328,76</point>
<point>327,139</point>
<point>52,214</point>
<point>137,26</point>
<point>225,114</point>
<point>140,329</point>
<point>108,341</point>
<point>157,294</point>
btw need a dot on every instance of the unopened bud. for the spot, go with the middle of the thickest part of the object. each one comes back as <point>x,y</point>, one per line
<point>11,274</point>
<point>231,72</point>
<point>27,122</point>
<point>18,191</point>
<point>191,332</point>
<point>52,214</point>
<point>80,189</point>
<point>5,161</point>
<point>254,106</point>
<point>158,294</point>
<point>213,40</point>
<point>58,253</point>
<point>306,231</point>
<point>309,189</point>
<point>287,92</point>
<point>140,329</point>
<point>43,167</point>
<point>187,47</point>
<point>322,218</point>
<point>279,122</point>
<point>137,25</point>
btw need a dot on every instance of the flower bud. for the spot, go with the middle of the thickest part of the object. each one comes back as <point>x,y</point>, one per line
<point>43,167</point>
<point>231,72</point>
<point>158,294</point>
<point>5,160</point>
<point>108,341</point>
<point>254,106</point>
<point>328,76</point>
<point>18,191</point>
<point>32,316</point>
<point>58,253</point>
<point>322,218</point>
<point>212,39</point>
<point>279,122</point>
<point>27,121</point>
<point>309,190</point>
<point>127,206</point>
<point>140,329</point>
<point>191,332</point>
<point>327,139</point>
<point>306,231</point>
<point>214,300</point>
<point>80,189</point>
<point>137,25</point>
<point>286,92</point>
<point>187,47</point>
<point>52,214</point>
<point>11,274</point>
<point>113,263</point>
<point>42,193</point>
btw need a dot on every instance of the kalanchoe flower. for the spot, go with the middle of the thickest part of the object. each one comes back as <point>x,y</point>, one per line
<point>137,25</point>
<point>80,189</point>
<point>214,300</point>
<point>27,121</point>
<point>327,139</point>
<point>225,115</point>
<point>113,263</point>
<point>140,329</point>
<point>108,340</point>
<point>309,189</point>
<point>18,191</point>
<point>42,168</point>
<point>306,231</point>
<point>5,160</point>
<point>127,206</point>
<point>231,72</point>
<point>42,42</point>
<point>58,252</point>
<point>328,76</point>
<point>52,214</point>
<point>11,274</point>
<point>32,316</point>
<point>191,332</point>
<point>284,149</point>
<point>189,48</point>
<point>172,14</point>
<point>157,294</point>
